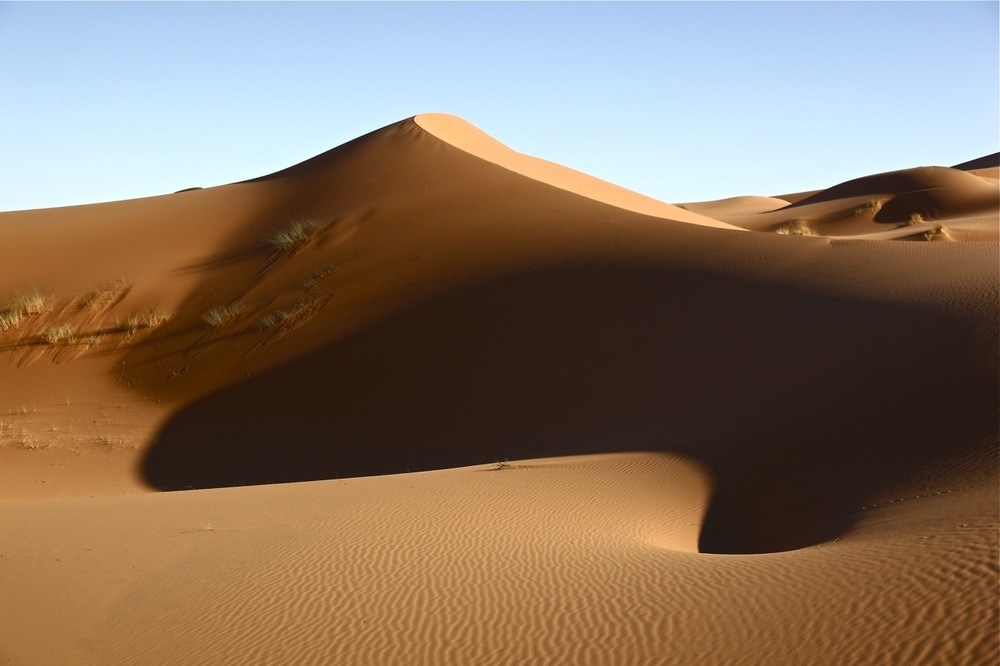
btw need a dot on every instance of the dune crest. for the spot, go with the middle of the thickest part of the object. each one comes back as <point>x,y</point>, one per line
<point>468,137</point>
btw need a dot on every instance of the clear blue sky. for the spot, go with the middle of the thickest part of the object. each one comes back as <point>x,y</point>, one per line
<point>680,101</point>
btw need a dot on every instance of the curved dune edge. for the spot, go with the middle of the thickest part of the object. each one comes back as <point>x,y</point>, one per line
<point>467,137</point>
<point>744,205</point>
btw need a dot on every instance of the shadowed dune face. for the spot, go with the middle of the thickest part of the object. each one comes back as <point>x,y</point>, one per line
<point>991,161</point>
<point>609,359</point>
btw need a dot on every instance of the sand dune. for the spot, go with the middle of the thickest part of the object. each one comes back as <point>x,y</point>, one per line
<point>981,163</point>
<point>461,134</point>
<point>429,400</point>
<point>924,203</point>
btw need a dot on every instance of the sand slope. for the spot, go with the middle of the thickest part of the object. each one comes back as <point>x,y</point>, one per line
<point>657,438</point>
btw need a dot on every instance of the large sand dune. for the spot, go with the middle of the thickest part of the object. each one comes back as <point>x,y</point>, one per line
<point>428,400</point>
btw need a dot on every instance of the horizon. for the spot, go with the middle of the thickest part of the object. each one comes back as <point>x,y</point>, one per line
<point>678,101</point>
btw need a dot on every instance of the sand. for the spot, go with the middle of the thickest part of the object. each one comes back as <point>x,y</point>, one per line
<point>423,399</point>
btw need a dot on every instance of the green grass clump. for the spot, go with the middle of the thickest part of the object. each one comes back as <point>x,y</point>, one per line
<point>915,218</point>
<point>295,235</point>
<point>796,227</point>
<point>221,315</point>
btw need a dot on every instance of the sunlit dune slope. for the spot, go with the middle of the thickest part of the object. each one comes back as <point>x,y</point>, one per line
<point>471,139</point>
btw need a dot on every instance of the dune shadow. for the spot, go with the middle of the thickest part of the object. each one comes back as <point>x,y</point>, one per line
<point>800,404</point>
<point>248,251</point>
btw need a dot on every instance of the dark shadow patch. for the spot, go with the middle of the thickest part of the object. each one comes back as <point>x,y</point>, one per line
<point>802,405</point>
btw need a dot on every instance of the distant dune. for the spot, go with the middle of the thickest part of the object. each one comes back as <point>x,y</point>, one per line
<point>445,403</point>
<point>924,203</point>
<point>986,162</point>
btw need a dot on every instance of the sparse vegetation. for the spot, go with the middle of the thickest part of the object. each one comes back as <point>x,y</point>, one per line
<point>275,318</point>
<point>873,206</point>
<point>221,315</point>
<point>30,303</point>
<point>796,227</point>
<point>9,320</point>
<point>132,322</point>
<point>295,235</point>
<point>111,442</point>
<point>318,277</point>
<point>269,321</point>
<point>156,317</point>
<point>59,333</point>
<point>931,233</point>
<point>22,305</point>
<point>915,218</point>
<point>151,318</point>
<point>106,296</point>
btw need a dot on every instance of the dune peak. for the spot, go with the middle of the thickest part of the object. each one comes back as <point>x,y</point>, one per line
<point>464,135</point>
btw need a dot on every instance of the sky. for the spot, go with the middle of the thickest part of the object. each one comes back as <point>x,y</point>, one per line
<point>681,101</point>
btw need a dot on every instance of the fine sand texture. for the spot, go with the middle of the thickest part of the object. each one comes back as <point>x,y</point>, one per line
<point>425,400</point>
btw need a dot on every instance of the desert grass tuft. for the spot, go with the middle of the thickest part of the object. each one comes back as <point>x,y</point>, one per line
<point>9,320</point>
<point>106,296</point>
<point>931,233</point>
<point>318,276</point>
<point>115,443</point>
<point>295,235</point>
<point>915,218</point>
<point>872,206</point>
<point>221,315</point>
<point>151,318</point>
<point>796,227</point>
<point>22,305</point>
<point>276,318</point>
<point>29,303</point>
<point>59,333</point>
<point>156,317</point>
